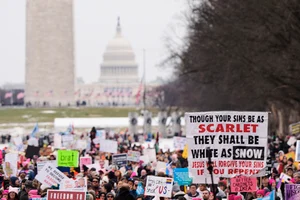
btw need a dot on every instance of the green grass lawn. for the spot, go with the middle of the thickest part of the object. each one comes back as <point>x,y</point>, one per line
<point>32,115</point>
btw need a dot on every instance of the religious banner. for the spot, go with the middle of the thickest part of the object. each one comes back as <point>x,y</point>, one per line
<point>65,195</point>
<point>158,186</point>
<point>179,143</point>
<point>67,158</point>
<point>236,142</point>
<point>292,192</point>
<point>243,184</point>
<point>119,159</point>
<point>133,156</point>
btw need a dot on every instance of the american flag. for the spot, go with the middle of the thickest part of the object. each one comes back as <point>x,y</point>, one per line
<point>20,95</point>
<point>8,95</point>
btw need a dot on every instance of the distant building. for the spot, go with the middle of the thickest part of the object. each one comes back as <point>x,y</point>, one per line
<point>49,76</point>
<point>119,84</point>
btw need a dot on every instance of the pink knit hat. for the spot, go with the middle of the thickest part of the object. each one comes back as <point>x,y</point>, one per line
<point>261,192</point>
<point>33,192</point>
<point>5,192</point>
<point>238,197</point>
<point>271,181</point>
<point>231,197</point>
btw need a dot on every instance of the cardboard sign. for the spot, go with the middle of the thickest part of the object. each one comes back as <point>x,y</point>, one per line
<point>85,161</point>
<point>119,159</point>
<point>237,143</point>
<point>179,143</point>
<point>159,186</point>
<point>31,151</point>
<point>108,146</point>
<point>243,184</point>
<point>10,165</point>
<point>41,164</point>
<point>133,156</point>
<point>65,195</point>
<point>50,175</point>
<point>80,184</point>
<point>151,154</point>
<point>181,176</point>
<point>292,191</point>
<point>67,158</point>
<point>161,166</point>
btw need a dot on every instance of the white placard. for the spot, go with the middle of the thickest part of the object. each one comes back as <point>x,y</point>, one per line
<point>145,159</point>
<point>237,143</point>
<point>109,146</point>
<point>161,166</point>
<point>159,186</point>
<point>50,175</point>
<point>57,141</point>
<point>10,165</point>
<point>151,153</point>
<point>297,156</point>
<point>41,164</point>
<point>80,184</point>
<point>133,156</point>
<point>179,143</point>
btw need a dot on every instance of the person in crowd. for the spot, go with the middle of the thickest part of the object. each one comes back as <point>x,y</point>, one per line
<point>177,192</point>
<point>193,193</point>
<point>124,193</point>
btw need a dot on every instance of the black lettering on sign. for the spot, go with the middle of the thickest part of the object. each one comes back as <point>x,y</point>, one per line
<point>248,153</point>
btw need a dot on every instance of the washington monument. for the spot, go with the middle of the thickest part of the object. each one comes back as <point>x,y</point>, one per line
<point>49,52</point>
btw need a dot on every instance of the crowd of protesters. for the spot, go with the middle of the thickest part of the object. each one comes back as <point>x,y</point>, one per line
<point>128,182</point>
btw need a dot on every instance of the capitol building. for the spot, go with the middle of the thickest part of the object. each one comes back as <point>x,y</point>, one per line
<point>119,83</point>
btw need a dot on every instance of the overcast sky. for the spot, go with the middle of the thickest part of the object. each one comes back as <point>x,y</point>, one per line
<point>145,23</point>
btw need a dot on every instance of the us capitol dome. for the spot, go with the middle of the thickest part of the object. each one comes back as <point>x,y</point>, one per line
<point>119,84</point>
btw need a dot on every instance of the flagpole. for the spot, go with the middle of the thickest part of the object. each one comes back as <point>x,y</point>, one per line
<point>144,75</point>
<point>11,98</point>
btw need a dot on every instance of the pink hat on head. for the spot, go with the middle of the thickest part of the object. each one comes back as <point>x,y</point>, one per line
<point>238,197</point>
<point>231,197</point>
<point>33,192</point>
<point>5,192</point>
<point>35,196</point>
<point>133,174</point>
<point>261,192</point>
<point>271,181</point>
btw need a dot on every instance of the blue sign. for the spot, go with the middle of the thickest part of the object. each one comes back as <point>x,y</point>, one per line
<point>181,176</point>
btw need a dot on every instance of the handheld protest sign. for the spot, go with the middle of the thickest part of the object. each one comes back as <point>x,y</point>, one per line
<point>67,158</point>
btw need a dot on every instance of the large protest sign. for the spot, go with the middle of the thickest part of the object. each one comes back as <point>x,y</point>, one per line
<point>243,184</point>
<point>235,141</point>
<point>67,158</point>
<point>179,143</point>
<point>133,156</point>
<point>80,184</point>
<point>10,166</point>
<point>292,192</point>
<point>181,176</point>
<point>50,176</point>
<point>41,164</point>
<point>85,161</point>
<point>108,146</point>
<point>159,186</point>
<point>119,159</point>
<point>65,195</point>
